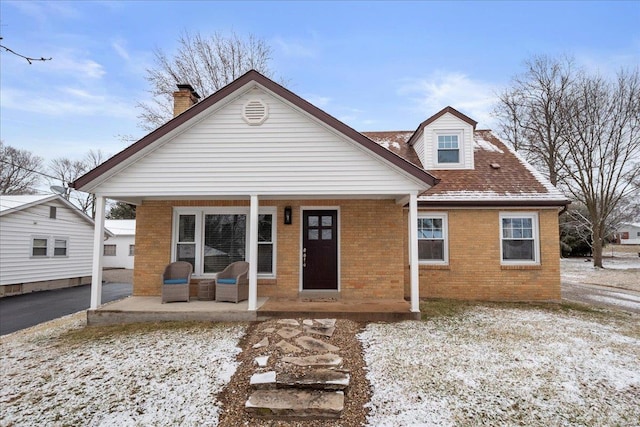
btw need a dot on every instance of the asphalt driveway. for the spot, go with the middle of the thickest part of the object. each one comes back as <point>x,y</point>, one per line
<point>22,311</point>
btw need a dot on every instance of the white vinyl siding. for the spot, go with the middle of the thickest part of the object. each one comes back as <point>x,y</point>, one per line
<point>519,238</point>
<point>291,153</point>
<point>17,230</point>
<point>447,124</point>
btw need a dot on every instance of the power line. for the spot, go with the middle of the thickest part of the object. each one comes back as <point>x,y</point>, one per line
<point>30,170</point>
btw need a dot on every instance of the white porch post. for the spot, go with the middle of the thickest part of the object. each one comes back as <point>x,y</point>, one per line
<point>253,253</point>
<point>413,253</point>
<point>98,238</point>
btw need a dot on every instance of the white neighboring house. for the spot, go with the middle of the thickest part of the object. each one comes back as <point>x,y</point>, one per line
<point>45,243</point>
<point>119,251</point>
<point>629,234</point>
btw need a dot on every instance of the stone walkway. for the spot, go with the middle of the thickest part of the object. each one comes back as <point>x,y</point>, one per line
<point>308,381</point>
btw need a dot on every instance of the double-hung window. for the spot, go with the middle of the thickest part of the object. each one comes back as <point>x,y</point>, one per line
<point>49,246</point>
<point>519,238</point>
<point>60,246</point>
<point>39,246</point>
<point>449,148</point>
<point>212,238</point>
<point>432,238</point>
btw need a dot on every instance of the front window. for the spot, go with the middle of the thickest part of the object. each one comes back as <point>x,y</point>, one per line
<point>224,241</point>
<point>448,149</point>
<point>212,238</point>
<point>519,238</point>
<point>432,238</point>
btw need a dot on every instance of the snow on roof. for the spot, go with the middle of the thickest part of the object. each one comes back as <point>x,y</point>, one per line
<point>500,174</point>
<point>481,144</point>
<point>121,227</point>
<point>11,202</point>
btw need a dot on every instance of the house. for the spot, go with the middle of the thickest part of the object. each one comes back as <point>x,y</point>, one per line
<point>628,234</point>
<point>254,172</point>
<point>119,251</point>
<point>45,243</point>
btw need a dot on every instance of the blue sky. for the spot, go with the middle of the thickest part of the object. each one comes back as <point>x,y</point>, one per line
<point>373,65</point>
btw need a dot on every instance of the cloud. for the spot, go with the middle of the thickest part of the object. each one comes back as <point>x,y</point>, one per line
<point>119,47</point>
<point>46,10</point>
<point>75,68</point>
<point>440,89</point>
<point>66,101</point>
<point>318,100</point>
<point>294,48</point>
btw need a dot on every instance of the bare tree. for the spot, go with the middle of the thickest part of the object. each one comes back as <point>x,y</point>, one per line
<point>19,170</point>
<point>66,170</point>
<point>530,112</point>
<point>206,63</point>
<point>603,147</point>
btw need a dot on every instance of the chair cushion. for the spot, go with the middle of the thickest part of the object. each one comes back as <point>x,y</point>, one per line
<point>226,281</point>
<point>175,281</point>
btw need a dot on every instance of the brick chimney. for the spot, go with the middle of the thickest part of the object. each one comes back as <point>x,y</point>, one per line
<point>184,98</point>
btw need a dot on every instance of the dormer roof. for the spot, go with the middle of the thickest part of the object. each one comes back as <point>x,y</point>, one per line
<point>439,114</point>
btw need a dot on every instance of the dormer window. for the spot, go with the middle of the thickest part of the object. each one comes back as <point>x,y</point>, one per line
<point>449,148</point>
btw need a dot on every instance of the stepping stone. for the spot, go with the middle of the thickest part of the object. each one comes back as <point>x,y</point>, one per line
<point>328,360</point>
<point>269,330</point>
<point>263,380</point>
<point>296,403</point>
<point>262,361</point>
<point>326,323</point>
<point>288,348</point>
<point>324,379</point>
<point>290,322</point>
<point>326,332</point>
<point>313,344</point>
<point>287,333</point>
<point>263,343</point>
<point>307,322</point>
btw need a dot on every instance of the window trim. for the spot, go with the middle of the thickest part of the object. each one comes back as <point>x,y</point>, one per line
<point>461,151</point>
<point>115,249</point>
<point>46,247</point>
<point>66,246</point>
<point>535,234</point>
<point>200,213</point>
<point>445,237</point>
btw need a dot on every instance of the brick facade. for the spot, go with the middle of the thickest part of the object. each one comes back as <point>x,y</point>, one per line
<point>474,271</point>
<point>370,239</point>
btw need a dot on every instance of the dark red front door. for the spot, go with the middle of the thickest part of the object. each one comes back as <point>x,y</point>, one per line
<point>320,250</point>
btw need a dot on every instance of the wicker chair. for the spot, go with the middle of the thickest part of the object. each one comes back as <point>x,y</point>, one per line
<point>175,281</point>
<point>232,283</point>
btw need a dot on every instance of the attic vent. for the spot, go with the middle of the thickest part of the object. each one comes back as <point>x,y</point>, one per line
<point>255,112</point>
<point>495,165</point>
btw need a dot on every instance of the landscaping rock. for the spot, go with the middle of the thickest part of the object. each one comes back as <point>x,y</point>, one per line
<point>263,380</point>
<point>313,344</point>
<point>296,403</point>
<point>322,379</point>
<point>263,343</point>
<point>328,360</point>
<point>288,348</point>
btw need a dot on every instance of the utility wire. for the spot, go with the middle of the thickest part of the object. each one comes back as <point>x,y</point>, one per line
<point>30,170</point>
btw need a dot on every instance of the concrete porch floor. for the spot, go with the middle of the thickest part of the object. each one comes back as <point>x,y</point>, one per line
<point>150,309</point>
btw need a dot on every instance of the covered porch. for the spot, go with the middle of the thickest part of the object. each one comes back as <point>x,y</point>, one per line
<point>138,309</point>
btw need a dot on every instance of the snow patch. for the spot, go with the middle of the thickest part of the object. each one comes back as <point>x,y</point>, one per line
<point>481,144</point>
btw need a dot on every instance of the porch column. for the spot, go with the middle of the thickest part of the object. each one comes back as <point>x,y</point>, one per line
<point>253,253</point>
<point>413,253</point>
<point>98,239</point>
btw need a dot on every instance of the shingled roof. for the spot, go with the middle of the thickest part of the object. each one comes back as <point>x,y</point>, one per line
<point>501,177</point>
